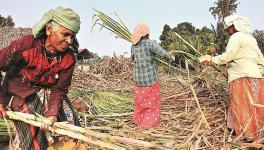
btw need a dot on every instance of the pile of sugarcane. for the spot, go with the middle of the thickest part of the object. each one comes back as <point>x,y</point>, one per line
<point>113,65</point>
<point>193,105</point>
<point>8,34</point>
<point>111,73</point>
<point>181,115</point>
<point>193,112</point>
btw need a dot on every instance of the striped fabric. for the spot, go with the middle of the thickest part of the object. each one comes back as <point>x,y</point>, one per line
<point>30,137</point>
<point>246,107</point>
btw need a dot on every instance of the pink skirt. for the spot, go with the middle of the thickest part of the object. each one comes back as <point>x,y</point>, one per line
<point>147,105</point>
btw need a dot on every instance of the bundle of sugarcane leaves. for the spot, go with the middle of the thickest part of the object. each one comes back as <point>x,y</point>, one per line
<point>98,103</point>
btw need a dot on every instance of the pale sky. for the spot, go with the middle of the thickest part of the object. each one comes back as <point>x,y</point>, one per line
<point>155,13</point>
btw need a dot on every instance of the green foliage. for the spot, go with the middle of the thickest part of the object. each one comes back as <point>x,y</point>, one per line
<point>220,38</point>
<point>223,8</point>
<point>166,29</point>
<point>200,39</point>
<point>185,28</point>
<point>259,35</point>
<point>6,21</point>
<point>205,37</point>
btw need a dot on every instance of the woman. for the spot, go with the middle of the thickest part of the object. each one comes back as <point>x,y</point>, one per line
<point>145,75</point>
<point>35,63</point>
<point>245,67</point>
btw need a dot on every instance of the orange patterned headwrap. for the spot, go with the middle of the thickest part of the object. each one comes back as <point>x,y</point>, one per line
<point>139,31</point>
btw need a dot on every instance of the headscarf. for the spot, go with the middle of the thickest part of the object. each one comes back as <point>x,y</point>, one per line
<point>240,23</point>
<point>139,31</point>
<point>66,17</point>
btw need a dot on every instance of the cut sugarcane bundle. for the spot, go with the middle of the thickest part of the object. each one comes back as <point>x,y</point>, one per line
<point>89,136</point>
<point>37,120</point>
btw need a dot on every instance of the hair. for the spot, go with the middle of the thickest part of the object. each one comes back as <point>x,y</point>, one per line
<point>144,37</point>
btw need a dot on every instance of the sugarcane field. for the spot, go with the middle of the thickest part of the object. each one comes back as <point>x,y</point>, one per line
<point>196,88</point>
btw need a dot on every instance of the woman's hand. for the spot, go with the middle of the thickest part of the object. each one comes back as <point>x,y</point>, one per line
<point>206,59</point>
<point>172,57</point>
<point>2,111</point>
<point>52,119</point>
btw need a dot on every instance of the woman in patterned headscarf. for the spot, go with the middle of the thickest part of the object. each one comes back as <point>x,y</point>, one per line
<point>245,68</point>
<point>45,62</point>
<point>145,75</point>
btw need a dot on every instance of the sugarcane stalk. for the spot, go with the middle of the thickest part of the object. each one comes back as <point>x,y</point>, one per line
<point>32,120</point>
<point>255,145</point>
<point>187,54</point>
<point>199,107</point>
<point>191,75</point>
<point>79,136</point>
<point>195,97</point>
<point>123,140</point>
<point>187,43</point>
<point>217,69</point>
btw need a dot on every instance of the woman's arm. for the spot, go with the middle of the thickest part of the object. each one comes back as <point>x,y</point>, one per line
<point>59,91</point>
<point>156,49</point>
<point>231,50</point>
